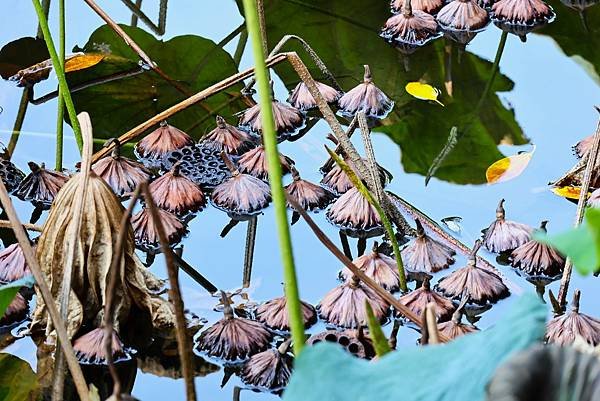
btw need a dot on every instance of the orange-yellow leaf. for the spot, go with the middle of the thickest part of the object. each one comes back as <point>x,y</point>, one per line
<point>82,61</point>
<point>569,192</point>
<point>508,168</point>
<point>423,91</point>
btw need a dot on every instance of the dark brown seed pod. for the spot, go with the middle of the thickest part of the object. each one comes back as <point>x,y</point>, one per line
<point>242,195</point>
<point>481,285</point>
<point>287,119</point>
<point>156,145</point>
<point>90,349</point>
<point>338,182</point>
<point>454,327</point>
<point>378,266</point>
<point>123,175</point>
<point>41,185</point>
<point>270,369</point>
<point>11,176</point>
<point>27,77</point>
<point>520,17</point>
<point>428,6</point>
<point>505,235</point>
<point>233,338</point>
<point>274,315</point>
<point>254,162</point>
<point>344,306</point>
<point>16,312</point>
<point>310,196</point>
<point>353,340</point>
<point>12,264</point>
<point>538,259</point>
<point>176,193</point>
<point>144,228</point>
<point>366,97</point>
<point>462,15</point>
<point>564,329</point>
<point>424,254</point>
<point>418,300</point>
<point>355,216</point>
<point>232,140</point>
<point>301,98</point>
<point>411,28</point>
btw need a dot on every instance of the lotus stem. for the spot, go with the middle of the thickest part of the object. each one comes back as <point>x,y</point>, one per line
<point>277,191</point>
<point>27,226</point>
<point>60,73</point>
<point>249,251</point>
<point>241,46</point>
<point>380,342</point>
<point>134,14</point>
<point>61,106</point>
<point>14,137</point>
<point>138,13</point>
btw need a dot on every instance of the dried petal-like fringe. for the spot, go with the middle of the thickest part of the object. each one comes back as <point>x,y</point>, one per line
<point>242,195</point>
<point>122,174</point>
<point>11,176</point>
<point>90,350</point>
<point>310,196</point>
<point>415,29</point>
<point>428,6</point>
<point>40,186</point>
<point>462,15</point>
<point>146,236</point>
<point>16,312</point>
<point>538,259</point>
<point>177,194</point>
<point>287,118</point>
<point>301,98</point>
<point>355,216</point>
<point>234,339</point>
<point>155,146</point>
<point>455,328</point>
<point>270,369</point>
<point>12,264</point>
<point>254,162</point>
<point>583,146</point>
<point>338,182</point>
<point>564,329</point>
<point>232,140</point>
<point>378,266</point>
<point>366,97</point>
<point>344,306</point>
<point>424,254</point>
<point>504,235</point>
<point>522,12</point>
<point>594,199</point>
<point>274,314</point>
<point>418,299</point>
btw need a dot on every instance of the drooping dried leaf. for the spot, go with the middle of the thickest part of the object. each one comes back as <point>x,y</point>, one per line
<point>508,168</point>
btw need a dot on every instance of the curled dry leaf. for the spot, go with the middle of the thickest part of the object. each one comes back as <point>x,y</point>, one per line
<point>508,168</point>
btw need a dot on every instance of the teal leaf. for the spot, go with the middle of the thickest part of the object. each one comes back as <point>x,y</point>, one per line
<point>458,371</point>
<point>17,379</point>
<point>8,292</point>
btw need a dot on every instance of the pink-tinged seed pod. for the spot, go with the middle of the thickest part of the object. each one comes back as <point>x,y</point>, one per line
<point>424,254</point>
<point>428,6</point>
<point>505,235</point>
<point>366,97</point>
<point>483,286</point>
<point>582,147</point>
<point>520,17</point>
<point>418,300</point>
<point>344,305</point>
<point>455,328</point>
<point>41,186</point>
<point>270,369</point>
<point>13,266</point>
<point>16,312</point>
<point>156,145</point>
<point>338,182</point>
<point>176,193</point>
<point>411,28</point>
<point>233,338</point>
<point>310,196</point>
<point>301,98</point>
<point>144,229</point>
<point>378,266</point>
<point>462,19</point>
<point>537,259</point>
<point>121,174</point>
<point>564,329</point>
<point>274,315</point>
<point>254,162</point>
<point>287,119</point>
<point>355,216</point>
<point>10,175</point>
<point>232,140</point>
<point>90,350</point>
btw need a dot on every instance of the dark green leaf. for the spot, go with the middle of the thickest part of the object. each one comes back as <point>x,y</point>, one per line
<point>380,343</point>
<point>8,292</point>
<point>20,54</point>
<point>17,379</point>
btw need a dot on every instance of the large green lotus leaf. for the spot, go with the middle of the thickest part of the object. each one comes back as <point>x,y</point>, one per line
<point>457,371</point>
<point>345,35</point>
<point>191,61</point>
<point>17,379</point>
<point>577,34</point>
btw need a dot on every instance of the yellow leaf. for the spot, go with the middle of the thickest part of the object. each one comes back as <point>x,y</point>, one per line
<point>82,61</point>
<point>568,192</point>
<point>508,168</point>
<point>423,91</point>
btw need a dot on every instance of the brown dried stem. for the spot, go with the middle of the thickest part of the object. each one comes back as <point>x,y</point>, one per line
<point>27,226</point>
<point>184,344</point>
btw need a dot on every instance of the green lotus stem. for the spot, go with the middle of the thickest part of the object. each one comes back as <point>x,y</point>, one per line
<point>61,102</point>
<point>60,73</point>
<point>277,191</point>
<point>380,342</point>
<point>384,219</point>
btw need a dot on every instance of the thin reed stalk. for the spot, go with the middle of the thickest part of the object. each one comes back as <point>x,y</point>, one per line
<point>61,101</point>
